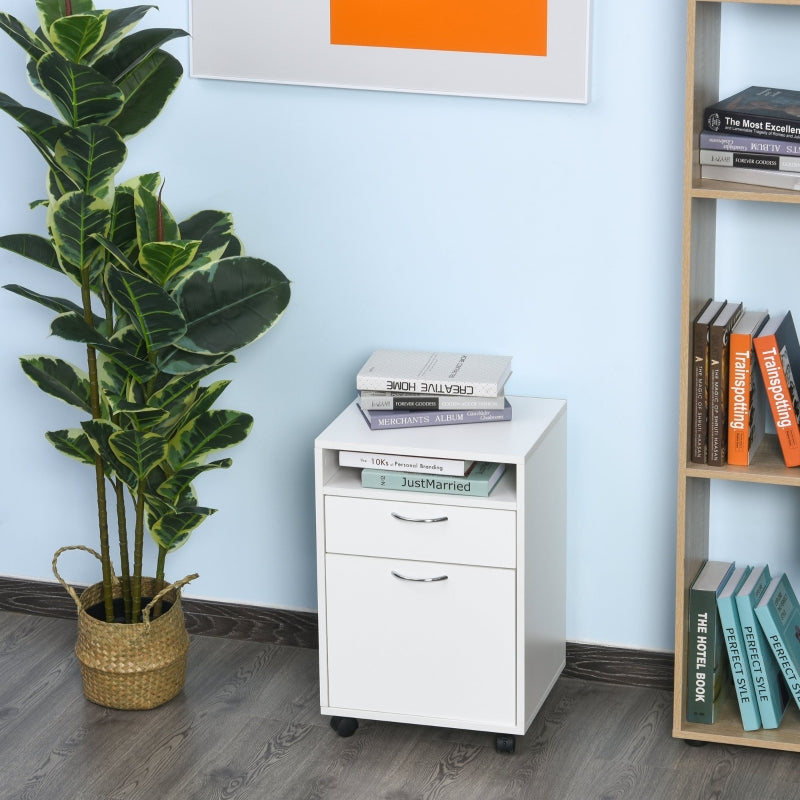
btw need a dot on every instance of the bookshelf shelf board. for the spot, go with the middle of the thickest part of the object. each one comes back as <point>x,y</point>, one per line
<point>723,190</point>
<point>767,467</point>
<point>728,730</point>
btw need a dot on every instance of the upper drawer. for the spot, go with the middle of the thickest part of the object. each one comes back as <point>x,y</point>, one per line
<point>420,532</point>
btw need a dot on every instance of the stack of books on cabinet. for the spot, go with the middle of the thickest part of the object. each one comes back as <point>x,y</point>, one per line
<point>753,137</point>
<point>413,389</point>
<point>744,639</point>
<point>744,368</point>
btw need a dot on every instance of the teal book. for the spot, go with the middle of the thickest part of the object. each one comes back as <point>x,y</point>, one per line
<point>707,667</point>
<point>770,688</point>
<point>779,615</point>
<point>734,644</point>
<point>479,480</point>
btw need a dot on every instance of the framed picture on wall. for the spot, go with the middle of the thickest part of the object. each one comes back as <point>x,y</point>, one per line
<point>515,49</point>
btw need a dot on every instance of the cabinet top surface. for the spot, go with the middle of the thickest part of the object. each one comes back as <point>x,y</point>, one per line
<point>492,441</point>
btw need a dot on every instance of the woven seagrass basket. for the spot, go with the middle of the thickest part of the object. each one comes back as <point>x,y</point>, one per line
<point>131,666</point>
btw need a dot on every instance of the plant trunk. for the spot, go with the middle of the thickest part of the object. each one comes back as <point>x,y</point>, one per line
<point>124,563</point>
<point>138,546</point>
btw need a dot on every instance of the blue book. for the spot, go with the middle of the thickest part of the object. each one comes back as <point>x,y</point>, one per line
<point>778,613</point>
<point>771,693</point>
<point>734,644</point>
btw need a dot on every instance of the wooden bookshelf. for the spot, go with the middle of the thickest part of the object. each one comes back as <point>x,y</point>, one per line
<point>700,199</point>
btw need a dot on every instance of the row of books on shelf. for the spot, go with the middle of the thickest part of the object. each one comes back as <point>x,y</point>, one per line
<point>743,368</point>
<point>744,637</point>
<point>753,137</point>
<point>411,388</point>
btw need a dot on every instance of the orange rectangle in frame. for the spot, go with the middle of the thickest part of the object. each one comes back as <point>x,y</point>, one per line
<point>512,27</point>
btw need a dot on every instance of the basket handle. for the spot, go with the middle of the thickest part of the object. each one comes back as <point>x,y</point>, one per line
<point>72,593</point>
<point>177,586</point>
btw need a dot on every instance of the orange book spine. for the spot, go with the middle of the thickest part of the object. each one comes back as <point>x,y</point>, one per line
<point>780,398</point>
<point>739,408</point>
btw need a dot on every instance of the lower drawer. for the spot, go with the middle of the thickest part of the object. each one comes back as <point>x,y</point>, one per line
<point>438,648</point>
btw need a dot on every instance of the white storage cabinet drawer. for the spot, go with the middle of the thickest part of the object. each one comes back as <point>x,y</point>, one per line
<point>421,531</point>
<point>429,648</point>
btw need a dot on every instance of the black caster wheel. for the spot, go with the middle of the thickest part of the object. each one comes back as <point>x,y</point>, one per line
<point>344,726</point>
<point>505,743</point>
<point>695,743</point>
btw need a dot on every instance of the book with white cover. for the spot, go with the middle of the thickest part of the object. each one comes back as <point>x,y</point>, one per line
<point>774,178</point>
<point>390,461</point>
<point>425,372</point>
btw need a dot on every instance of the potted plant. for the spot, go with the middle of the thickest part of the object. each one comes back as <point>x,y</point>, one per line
<point>156,306</point>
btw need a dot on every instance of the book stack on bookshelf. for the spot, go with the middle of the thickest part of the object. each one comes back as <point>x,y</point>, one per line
<point>744,637</point>
<point>753,137</point>
<point>413,389</point>
<point>743,372</point>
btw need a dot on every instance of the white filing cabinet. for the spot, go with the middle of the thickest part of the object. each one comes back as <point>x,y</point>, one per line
<point>443,609</point>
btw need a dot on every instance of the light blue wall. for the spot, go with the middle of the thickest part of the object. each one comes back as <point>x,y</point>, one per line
<point>549,232</point>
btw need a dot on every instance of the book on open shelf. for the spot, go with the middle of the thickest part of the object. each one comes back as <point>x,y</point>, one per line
<point>733,158</point>
<point>747,400</point>
<point>778,355</point>
<point>779,614</point>
<point>479,481</point>
<point>757,111</point>
<point>699,379</point>
<point>747,144</point>
<point>770,689</point>
<point>396,463</point>
<point>718,355</point>
<point>707,667</point>
<point>425,372</point>
<point>772,178</point>
<point>735,645</point>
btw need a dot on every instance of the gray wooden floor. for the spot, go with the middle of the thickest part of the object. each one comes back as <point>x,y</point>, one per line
<point>247,725</point>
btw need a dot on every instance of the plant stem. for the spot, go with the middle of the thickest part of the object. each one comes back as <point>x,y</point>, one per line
<point>138,546</point>
<point>124,564</point>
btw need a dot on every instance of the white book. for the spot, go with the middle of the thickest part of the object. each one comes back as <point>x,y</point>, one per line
<point>396,463</point>
<point>773,178</point>
<point>424,372</point>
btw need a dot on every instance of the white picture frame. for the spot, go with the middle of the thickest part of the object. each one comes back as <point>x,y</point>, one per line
<point>288,41</point>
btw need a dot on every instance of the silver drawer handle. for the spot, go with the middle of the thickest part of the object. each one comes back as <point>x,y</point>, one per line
<point>419,580</point>
<point>413,519</point>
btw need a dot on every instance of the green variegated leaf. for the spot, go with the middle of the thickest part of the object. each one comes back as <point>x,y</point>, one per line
<point>92,155</point>
<point>119,23</point>
<point>98,432</point>
<point>51,10</point>
<point>73,328</point>
<point>146,89</point>
<point>214,230</point>
<point>174,487</point>
<point>57,304</point>
<point>74,37</point>
<point>114,251</point>
<point>29,245</point>
<point>172,530</point>
<point>173,361</point>
<point>175,397</point>
<point>60,379</point>
<point>139,452</point>
<point>112,379</point>
<point>40,127</point>
<point>162,261</point>
<point>134,50</point>
<point>153,221</point>
<point>73,443</point>
<point>205,398</point>
<point>74,220</point>
<point>230,303</point>
<point>140,417</point>
<point>22,35</point>
<point>123,223</point>
<point>205,434</point>
<point>81,94</point>
<point>151,310</point>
